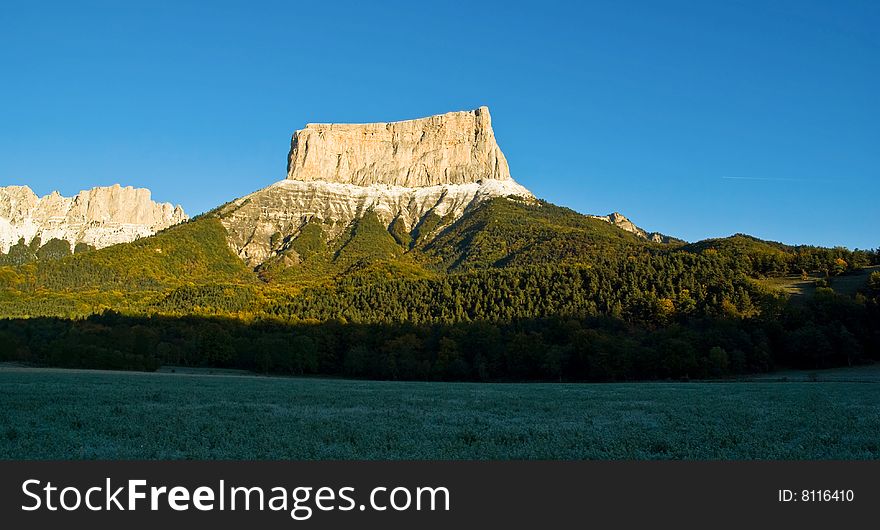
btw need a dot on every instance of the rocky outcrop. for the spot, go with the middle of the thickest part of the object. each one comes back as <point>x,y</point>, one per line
<point>258,224</point>
<point>452,148</point>
<point>99,217</point>
<point>620,221</point>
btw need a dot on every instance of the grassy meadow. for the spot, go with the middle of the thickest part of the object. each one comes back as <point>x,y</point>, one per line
<point>798,286</point>
<point>62,414</point>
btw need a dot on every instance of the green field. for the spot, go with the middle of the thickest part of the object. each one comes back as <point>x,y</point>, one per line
<point>794,285</point>
<point>57,414</point>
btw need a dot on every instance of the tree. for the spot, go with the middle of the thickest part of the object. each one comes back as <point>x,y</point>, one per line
<point>719,363</point>
<point>55,249</point>
<point>874,281</point>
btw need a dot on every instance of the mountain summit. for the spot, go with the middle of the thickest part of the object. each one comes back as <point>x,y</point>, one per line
<point>451,148</point>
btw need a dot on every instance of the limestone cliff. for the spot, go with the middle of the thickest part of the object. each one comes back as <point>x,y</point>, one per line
<point>99,217</point>
<point>284,208</point>
<point>452,148</point>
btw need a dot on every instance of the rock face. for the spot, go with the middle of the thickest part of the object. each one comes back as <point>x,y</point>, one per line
<point>452,148</point>
<point>280,211</point>
<point>99,217</point>
<point>403,171</point>
<point>620,221</point>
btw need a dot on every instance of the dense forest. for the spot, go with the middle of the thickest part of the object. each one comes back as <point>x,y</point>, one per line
<point>511,291</point>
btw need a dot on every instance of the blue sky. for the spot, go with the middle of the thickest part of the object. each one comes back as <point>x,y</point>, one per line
<point>697,119</point>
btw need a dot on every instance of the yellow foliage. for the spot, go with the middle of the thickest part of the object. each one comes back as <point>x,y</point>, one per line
<point>667,307</point>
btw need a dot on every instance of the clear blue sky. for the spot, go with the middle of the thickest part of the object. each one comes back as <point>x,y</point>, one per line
<point>698,119</point>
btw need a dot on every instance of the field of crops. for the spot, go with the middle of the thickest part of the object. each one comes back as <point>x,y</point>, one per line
<point>49,414</point>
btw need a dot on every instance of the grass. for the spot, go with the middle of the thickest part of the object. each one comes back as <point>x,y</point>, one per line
<point>844,374</point>
<point>849,284</point>
<point>58,414</point>
<point>846,284</point>
<point>792,285</point>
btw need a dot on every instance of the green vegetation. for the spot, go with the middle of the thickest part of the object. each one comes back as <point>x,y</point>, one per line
<point>23,252</point>
<point>827,330</point>
<point>400,234</point>
<point>366,249</point>
<point>366,241</point>
<point>191,252</point>
<point>854,283</point>
<point>505,233</point>
<point>768,259</point>
<point>62,414</point>
<point>514,290</point>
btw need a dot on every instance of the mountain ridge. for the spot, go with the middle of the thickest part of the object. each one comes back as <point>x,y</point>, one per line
<point>98,217</point>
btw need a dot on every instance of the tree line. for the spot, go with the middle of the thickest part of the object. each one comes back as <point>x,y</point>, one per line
<point>826,330</point>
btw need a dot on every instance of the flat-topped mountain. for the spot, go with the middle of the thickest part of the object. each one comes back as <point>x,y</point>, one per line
<point>451,148</point>
<point>98,217</point>
<point>403,172</point>
<point>418,175</point>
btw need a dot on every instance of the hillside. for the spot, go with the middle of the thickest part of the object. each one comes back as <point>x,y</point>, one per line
<point>124,276</point>
<point>769,258</point>
<point>510,233</point>
<point>511,290</point>
<point>174,269</point>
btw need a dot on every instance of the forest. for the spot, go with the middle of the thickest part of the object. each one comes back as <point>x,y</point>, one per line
<point>827,330</point>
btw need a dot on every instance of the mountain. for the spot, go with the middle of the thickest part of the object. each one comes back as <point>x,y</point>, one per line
<point>413,199</point>
<point>404,172</point>
<point>418,177</point>
<point>504,233</point>
<point>405,250</point>
<point>98,217</point>
<point>409,199</point>
<point>262,224</point>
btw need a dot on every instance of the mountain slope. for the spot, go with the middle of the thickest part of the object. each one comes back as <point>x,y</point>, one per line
<point>512,233</point>
<point>192,252</point>
<point>496,233</point>
<point>512,289</point>
<point>192,268</point>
